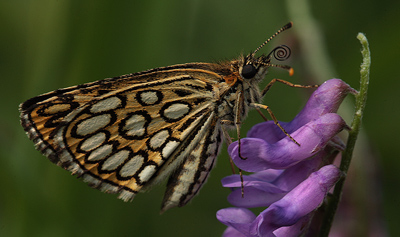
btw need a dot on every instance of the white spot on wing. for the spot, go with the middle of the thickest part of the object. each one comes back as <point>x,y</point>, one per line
<point>100,153</point>
<point>147,172</point>
<point>93,124</point>
<point>149,97</point>
<point>115,160</point>
<point>159,139</point>
<point>169,148</point>
<point>135,125</point>
<point>105,105</point>
<point>176,111</point>
<point>93,141</point>
<point>132,166</point>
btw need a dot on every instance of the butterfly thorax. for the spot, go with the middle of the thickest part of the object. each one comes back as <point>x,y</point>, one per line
<point>237,92</point>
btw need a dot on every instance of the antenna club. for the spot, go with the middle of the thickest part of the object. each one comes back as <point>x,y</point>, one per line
<point>291,72</point>
<point>285,27</point>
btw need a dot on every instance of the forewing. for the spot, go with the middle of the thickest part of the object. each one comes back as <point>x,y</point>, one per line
<point>117,133</point>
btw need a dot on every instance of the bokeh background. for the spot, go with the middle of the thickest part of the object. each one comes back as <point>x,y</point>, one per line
<point>47,44</point>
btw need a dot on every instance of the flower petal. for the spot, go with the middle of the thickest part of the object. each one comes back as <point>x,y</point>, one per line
<point>238,218</point>
<point>232,232</point>
<point>254,197</point>
<point>268,131</point>
<point>294,175</point>
<point>312,137</point>
<point>303,199</point>
<point>326,99</point>
<point>267,175</point>
<point>234,180</point>
<point>293,230</point>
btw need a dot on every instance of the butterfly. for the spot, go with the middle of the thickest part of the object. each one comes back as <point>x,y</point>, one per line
<point>127,133</point>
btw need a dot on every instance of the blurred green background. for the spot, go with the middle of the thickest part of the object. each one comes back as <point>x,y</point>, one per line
<point>45,45</point>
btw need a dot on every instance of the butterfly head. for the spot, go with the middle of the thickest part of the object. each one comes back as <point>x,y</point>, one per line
<point>256,67</point>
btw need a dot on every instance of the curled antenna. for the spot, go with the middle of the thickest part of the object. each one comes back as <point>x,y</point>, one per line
<point>285,27</point>
<point>280,53</point>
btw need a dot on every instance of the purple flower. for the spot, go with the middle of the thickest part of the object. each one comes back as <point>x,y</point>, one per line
<point>282,215</point>
<point>288,178</point>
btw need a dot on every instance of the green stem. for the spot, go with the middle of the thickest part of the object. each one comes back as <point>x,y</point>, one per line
<point>361,99</point>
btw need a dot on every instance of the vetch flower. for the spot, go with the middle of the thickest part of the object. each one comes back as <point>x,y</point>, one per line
<point>283,215</point>
<point>265,187</point>
<point>313,128</point>
<point>289,179</point>
<point>299,202</point>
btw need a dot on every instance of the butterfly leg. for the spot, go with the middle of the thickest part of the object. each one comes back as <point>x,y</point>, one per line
<point>261,113</point>
<point>229,141</point>
<point>261,106</point>
<point>286,83</point>
<point>238,110</point>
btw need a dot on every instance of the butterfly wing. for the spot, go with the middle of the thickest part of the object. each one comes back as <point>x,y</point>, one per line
<point>124,134</point>
<point>187,180</point>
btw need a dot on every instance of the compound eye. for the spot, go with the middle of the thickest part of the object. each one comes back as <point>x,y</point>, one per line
<point>249,71</point>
